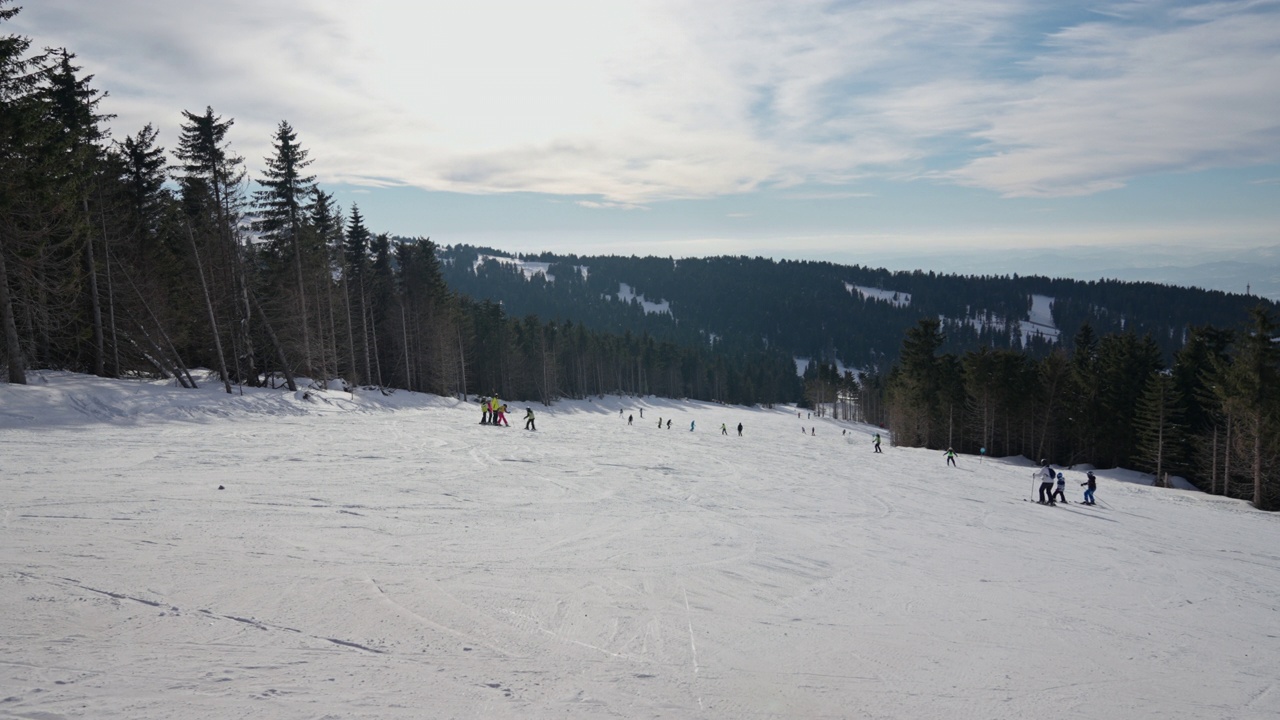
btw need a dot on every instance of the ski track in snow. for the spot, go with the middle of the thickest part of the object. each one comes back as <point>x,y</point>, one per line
<point>392,558</point>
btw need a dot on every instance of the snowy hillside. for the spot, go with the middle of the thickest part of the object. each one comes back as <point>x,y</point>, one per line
<point>388,557</point>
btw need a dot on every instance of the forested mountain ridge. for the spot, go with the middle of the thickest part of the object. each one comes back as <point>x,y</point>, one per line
<point>847,314</point>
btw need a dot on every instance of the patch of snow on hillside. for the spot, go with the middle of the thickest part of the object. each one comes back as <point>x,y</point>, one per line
<point>1040,320</point>
<point>897,299</point>
<point>625,294</point>
<point>527,267</point>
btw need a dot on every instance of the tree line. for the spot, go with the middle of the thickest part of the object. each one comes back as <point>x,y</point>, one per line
<point>1211,415</point>
<point>121,257</point>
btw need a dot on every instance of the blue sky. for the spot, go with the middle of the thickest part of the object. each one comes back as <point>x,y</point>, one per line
<point>823,130</point>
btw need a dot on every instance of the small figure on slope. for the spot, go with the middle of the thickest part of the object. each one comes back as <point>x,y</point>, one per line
<point>629,417</point>
<point>724,429</point>
<point>528,419</point>
<point>692,423</point>
<point>739,429</point>
<point>951,457</point>
<point>1060,493</point>
<point>1092,483</point>
<point>876,442</point>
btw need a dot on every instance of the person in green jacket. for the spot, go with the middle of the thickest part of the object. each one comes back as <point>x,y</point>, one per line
<point>528,419</point>
<point>951,457</point>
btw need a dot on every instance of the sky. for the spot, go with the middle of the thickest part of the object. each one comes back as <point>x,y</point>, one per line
<point>174,553</point>
<point>841,131</point>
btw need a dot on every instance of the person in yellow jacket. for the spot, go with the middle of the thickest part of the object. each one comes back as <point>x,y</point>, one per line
<point>528,419</point>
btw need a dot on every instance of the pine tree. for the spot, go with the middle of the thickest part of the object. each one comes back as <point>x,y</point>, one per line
<point>1160,428</point>
<point>210,177</point>
<point>20,131</point>
<point>1251,394</point>
<point>280,209</point>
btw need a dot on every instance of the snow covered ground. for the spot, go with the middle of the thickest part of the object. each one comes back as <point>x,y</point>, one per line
<point>894,298</point>
<point>388,557</point>
<point>626,293</point>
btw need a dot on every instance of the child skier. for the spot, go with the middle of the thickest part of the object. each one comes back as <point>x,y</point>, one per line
<point>951,457</point>
<point>1060,493</point>
<point>1092,484</point>
<point>876,442</point>
<point>528,419</point>
<point>724,429</point>
<point>502,416</point>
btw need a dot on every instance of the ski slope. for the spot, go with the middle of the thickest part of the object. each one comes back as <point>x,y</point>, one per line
<point>388,557</point>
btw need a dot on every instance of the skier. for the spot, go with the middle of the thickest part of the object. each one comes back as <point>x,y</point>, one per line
<point>951,457</point>
<point>876,442</point>
<point>739,429</point>
<point>1092,484</point>
<point>1045,475</point>
<point>723,429</point>
<point>641,413</point>
<point>813,431</point>
<point>484,407</point>
<point>691,425</point>
<point>659,423</point>
<point>629,419</point>
<point>668,423</point>
<point>502,416</point>
<point>1060,492</point>
<point>528,419</point>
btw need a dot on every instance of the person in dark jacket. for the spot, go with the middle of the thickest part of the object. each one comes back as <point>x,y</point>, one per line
<point>1092,483</point>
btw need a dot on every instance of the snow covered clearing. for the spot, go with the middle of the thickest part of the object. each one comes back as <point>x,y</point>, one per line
<point>1040,319</point>
<point>626,293</point>
<point>894,298</point>
<point>388,557</point>
<point>528,267</point>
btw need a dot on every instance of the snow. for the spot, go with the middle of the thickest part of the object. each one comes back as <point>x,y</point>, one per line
<point>1040,320</point>
<point>388,557</point>
<point>626,293</point>
<point>528,267</point>
<point>896,299</point>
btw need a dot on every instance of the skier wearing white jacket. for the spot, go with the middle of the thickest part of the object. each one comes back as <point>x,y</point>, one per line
<point>1045,474</point>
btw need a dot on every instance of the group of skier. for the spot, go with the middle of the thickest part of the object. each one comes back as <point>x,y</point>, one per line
<point>494,412</point>
<point>1050,495</point>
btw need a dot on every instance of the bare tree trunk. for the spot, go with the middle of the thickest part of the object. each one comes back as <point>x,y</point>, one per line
<point>99,341</point>
<point>271,335</point>
<point>404,335</point>
<point>302,299</point>
<point>1226,460</point>
<point>12,346</point>
<point>111,296</point>
<point>213,320</point>
<point>351,332</point>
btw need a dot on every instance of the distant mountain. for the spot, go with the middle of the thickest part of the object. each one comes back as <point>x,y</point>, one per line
<point>847,314</point>
<point>1253,271</point>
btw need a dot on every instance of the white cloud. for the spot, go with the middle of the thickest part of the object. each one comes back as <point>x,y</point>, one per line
<point>635,102</point>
